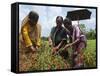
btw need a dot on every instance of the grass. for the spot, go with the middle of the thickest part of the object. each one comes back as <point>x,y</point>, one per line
<point>44,60</point>
<point>90,54</point>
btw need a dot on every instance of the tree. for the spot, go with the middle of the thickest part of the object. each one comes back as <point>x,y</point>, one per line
<point>83,28</point>
<point>91,34</point>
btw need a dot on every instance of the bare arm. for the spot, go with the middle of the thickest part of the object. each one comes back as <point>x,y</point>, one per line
<point>33,49</point>
<point>50,41</point>
<point>70,44</point>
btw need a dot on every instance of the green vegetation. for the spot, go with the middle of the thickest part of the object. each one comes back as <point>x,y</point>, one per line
<point>44,60</point>
<point>90,54</point>
<point>90,34</point>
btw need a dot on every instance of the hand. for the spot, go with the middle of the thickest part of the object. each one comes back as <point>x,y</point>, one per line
<point>54,50</point>
<point>50,42</point>
<point>32,49</point>
<point>68,45</point>
<point>37,47</point>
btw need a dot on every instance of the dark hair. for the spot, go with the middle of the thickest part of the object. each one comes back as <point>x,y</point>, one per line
<point>59,17</point>
<point>67,21</point>
<point>33,16</point>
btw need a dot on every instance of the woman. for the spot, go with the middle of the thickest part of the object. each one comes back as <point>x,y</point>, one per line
<point>78,42</point>
<point>58,37</point>
<point>30,32</point>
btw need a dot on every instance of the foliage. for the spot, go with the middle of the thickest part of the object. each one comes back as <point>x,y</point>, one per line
<point>44,60</point>
<point>90,34</point>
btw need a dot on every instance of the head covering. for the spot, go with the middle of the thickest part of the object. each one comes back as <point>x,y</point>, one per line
<point>33,16</point>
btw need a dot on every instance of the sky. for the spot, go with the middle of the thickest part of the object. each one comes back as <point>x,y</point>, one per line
<point>48,14</point>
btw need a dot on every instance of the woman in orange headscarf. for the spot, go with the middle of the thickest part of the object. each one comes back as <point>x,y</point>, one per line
<point>31,32</point>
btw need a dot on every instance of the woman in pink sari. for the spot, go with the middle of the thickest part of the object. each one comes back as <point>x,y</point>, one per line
<point>78,43</point>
